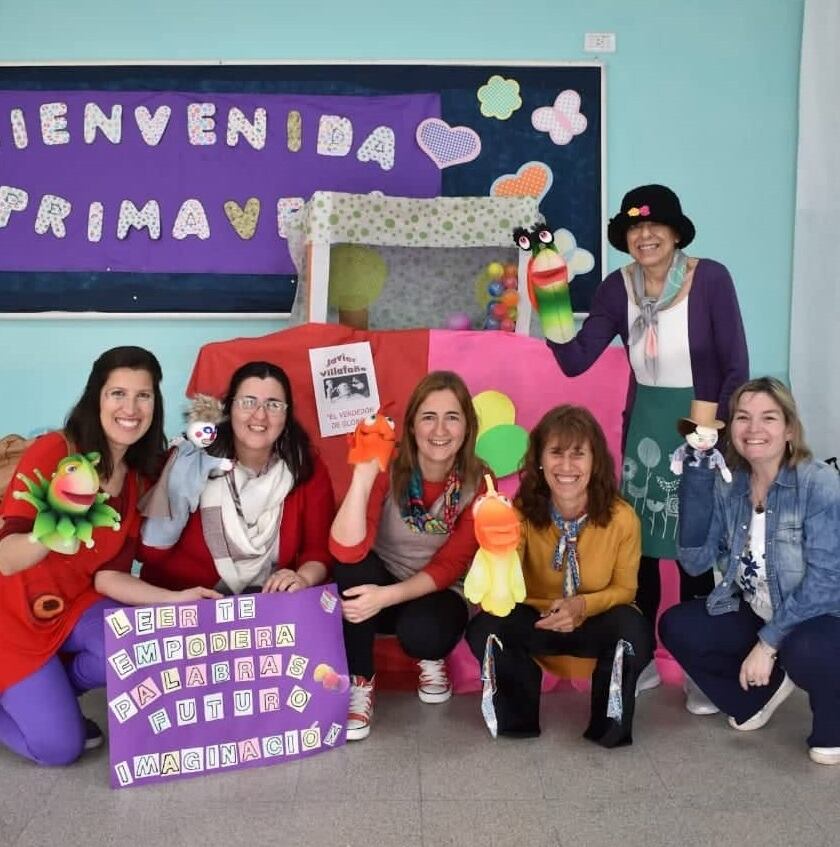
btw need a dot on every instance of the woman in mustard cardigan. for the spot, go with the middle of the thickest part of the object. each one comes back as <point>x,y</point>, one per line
<point>580,550</point>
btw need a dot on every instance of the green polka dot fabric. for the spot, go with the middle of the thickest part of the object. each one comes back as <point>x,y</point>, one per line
<point>433,249</point>
<point>333,217</point>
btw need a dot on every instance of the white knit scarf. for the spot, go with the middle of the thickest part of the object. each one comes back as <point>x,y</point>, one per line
<point>240,517</point>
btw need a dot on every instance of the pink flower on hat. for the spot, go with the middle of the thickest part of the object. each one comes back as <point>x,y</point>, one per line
<point>644,211</point>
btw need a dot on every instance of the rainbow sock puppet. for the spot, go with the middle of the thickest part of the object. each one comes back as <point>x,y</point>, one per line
<point>548,283</point>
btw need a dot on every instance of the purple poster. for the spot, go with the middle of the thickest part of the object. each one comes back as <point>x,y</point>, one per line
<point>175,182</point>
<point>226,684</point>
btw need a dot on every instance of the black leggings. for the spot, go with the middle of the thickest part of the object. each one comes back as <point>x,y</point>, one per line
<point>649,595</point>
<point>518,676</point>
<point>427,627</point>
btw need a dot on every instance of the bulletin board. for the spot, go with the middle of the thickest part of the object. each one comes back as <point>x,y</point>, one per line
<point>165,189</point>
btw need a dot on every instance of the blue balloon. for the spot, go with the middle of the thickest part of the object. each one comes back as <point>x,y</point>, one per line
<point>491,323</point>
<point>496,288</point>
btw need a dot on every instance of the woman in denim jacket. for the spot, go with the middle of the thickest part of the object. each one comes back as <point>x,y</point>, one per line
<point>774,533</point>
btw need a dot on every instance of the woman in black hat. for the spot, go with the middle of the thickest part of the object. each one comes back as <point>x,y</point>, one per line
<point>681,325</point>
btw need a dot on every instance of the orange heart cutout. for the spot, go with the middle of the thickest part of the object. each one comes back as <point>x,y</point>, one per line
<point>532,180</point>
<point>244,220</point>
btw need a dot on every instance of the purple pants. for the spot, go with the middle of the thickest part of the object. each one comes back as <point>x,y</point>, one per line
<point>40,716</point>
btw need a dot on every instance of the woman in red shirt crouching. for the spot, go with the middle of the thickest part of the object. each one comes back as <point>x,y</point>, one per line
<point>405,539</point>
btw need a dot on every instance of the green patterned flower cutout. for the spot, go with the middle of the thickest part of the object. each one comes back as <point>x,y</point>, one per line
<point>499,97</point>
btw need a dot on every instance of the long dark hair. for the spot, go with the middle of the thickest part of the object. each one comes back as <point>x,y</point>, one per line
<point>292,446</point>
<point>470,468</point>
<point>83,426</point>
<point>572,426</point>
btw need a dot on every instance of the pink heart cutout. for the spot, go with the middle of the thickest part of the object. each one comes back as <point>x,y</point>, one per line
<point>447,145</point>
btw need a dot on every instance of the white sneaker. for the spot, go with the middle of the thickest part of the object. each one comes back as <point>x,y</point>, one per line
<point>696,701</point>
<point>434,685</point>
<point>648,678</point>
<point>93,735</point>
<point>825,755</point>
<point>763,715</point>
<point>360,711</point>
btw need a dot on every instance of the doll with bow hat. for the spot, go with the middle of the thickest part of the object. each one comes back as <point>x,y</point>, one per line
<point>700,430</point>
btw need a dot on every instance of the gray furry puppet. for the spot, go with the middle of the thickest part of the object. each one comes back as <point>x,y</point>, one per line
<point>176,494</point>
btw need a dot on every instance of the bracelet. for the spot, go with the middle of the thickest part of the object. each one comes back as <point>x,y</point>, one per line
<point>771,652</point>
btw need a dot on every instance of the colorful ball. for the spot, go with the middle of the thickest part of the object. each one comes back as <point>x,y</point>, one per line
<point>510,269</point>
<point>507,325</point>
<point>491,323</point>
<point>509,299</point>
<point>499,311</point>
<point>495,270</point>
<point>510,283</point>
<point>459,320</point>
<point>322,671</point>
<point>495,289</point>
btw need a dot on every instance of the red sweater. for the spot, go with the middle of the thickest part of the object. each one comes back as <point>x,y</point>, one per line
<point>307,515</point>
<point>26,642</point>
<point>449,563</point>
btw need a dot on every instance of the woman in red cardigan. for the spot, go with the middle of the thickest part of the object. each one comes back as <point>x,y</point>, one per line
<point>52,588</point>
<point>264,526</point>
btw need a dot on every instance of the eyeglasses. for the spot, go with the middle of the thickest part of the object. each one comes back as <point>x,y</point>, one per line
<point>271,407</point>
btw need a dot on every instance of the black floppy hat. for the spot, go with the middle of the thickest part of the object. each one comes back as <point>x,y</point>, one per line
<point>653,203</point>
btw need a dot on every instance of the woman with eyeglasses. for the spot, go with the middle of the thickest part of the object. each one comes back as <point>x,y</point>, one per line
<point>67,546</point>
<point>264,526</point>
<point>680,323</point>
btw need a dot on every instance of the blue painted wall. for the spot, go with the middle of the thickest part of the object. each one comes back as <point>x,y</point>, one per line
<point>701,95</point>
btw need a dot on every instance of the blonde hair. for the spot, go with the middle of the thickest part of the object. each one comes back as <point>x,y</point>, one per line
<point>203,407</point>
<point>797,450</point>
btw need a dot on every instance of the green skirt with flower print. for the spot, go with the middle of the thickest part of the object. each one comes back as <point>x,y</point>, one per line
<point>646,479</point>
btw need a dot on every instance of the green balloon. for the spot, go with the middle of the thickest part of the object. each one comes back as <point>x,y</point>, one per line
<point>502,448</point>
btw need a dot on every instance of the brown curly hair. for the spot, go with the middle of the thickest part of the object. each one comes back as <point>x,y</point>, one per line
<point>571,426</point>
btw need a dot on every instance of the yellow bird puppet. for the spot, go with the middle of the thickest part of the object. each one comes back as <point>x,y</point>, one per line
<point>495,579</point>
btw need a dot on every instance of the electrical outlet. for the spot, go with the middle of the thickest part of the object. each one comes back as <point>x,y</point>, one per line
<point>599,42</point>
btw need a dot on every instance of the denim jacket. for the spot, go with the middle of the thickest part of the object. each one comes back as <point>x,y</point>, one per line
<point>802,540</point>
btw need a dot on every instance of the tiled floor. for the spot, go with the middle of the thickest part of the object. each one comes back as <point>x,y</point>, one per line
<point>432,776</point>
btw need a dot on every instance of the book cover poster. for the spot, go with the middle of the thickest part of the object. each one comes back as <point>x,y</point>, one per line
<point>344,382</point>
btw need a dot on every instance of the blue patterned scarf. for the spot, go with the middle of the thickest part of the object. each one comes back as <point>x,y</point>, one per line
<point>567,547</point>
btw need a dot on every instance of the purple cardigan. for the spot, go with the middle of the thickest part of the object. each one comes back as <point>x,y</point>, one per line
<point>716,340</point>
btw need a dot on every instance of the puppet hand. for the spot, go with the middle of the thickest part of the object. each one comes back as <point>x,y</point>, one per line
<point>757,667</point>
<point>225,465</point>
<point>362,602</point>
<point>284,580</point>
<point>366,472</point>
